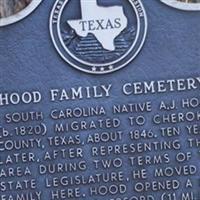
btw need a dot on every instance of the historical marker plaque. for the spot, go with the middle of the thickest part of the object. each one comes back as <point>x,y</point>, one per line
<point>100,100</point>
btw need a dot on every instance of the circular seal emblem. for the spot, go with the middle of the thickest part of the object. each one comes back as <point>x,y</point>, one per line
<point>98,36</point>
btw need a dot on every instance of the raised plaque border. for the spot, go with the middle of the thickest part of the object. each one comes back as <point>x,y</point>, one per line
<point>20,15</point>
<point>182,5</point>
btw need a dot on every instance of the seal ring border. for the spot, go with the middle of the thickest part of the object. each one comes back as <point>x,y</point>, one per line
<point>100,72</point>
<point>96,64</point>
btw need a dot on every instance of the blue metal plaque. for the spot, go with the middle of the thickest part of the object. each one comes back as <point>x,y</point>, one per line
<point>100,100</point>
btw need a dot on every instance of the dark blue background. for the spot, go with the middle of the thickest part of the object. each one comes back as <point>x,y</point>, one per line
<point>28,61</point>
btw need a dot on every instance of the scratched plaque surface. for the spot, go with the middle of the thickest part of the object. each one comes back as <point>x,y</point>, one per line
<point>94,105</point>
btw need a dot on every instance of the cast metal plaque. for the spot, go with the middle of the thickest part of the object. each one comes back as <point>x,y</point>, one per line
<point>100,100</point>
